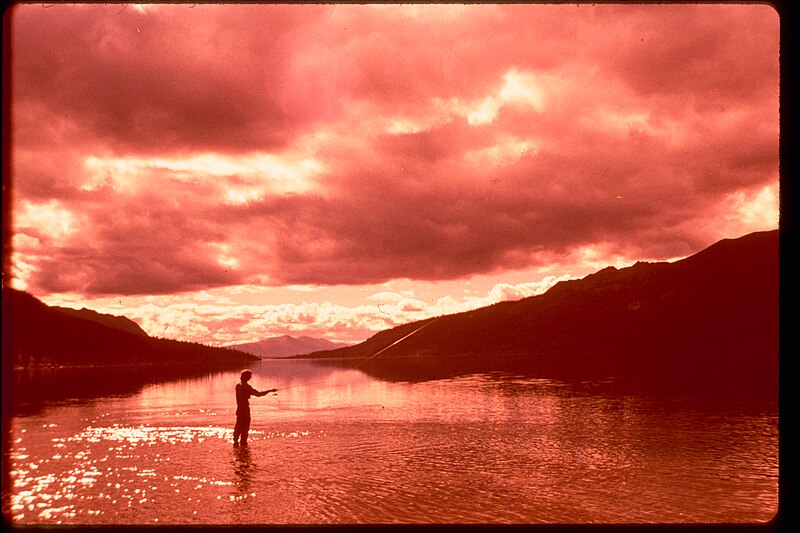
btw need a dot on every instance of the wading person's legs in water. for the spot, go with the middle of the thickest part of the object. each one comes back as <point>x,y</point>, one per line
<point>241,429</point>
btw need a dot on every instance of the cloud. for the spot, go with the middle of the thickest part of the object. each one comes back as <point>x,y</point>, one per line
<point>505,291</point>
<point>168,79</point>
<point>170,149</point>
<point>211,318</point>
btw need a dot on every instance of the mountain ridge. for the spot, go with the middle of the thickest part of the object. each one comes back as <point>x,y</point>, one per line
<point>712,315</point>
<point>114,321</point>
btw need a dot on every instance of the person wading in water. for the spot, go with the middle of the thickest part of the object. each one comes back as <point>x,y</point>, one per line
<point>243,393</point>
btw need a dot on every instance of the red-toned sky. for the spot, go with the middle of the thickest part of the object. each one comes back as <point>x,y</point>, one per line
<point>225,173</point>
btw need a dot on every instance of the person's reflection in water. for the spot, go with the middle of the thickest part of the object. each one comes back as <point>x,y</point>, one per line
<point>244,469</point>
<point>243,393</point>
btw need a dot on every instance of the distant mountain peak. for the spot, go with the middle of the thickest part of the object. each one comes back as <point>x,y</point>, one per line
<point>286,346</point>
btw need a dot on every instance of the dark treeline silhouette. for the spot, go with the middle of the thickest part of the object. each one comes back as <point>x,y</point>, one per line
<point>710,320</point>
<point>37,335</point>
<point>49,354</point>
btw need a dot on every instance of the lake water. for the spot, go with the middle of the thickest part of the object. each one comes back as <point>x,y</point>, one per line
<point>336,445</point>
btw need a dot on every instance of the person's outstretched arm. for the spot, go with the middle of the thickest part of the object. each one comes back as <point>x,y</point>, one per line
<point>265,392</point>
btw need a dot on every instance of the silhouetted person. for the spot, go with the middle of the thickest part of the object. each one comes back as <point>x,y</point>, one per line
<point>243,393</point>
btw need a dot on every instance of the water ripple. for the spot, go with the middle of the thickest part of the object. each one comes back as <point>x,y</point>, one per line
<point>477,449</point>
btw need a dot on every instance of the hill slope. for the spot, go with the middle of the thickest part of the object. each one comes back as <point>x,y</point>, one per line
<point>35,334</point>
<point>112,321</point>
<point>711,315</point>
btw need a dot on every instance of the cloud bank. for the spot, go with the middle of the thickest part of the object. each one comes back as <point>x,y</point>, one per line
<point>163,149</point>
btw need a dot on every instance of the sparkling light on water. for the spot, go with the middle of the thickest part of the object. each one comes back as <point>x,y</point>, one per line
<point>118,470</point>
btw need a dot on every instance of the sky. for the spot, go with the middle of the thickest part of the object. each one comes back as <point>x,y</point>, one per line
<point>228,173</point>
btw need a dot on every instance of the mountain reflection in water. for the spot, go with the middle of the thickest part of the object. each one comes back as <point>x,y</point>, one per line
<point>29,391</point>
<point>701,387</point>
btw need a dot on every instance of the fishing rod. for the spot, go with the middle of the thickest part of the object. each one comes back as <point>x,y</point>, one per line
<point>397,341</point>
<point>401,339</point>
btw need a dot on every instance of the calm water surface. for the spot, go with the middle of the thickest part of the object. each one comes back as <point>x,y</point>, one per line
<point>338,446</point>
